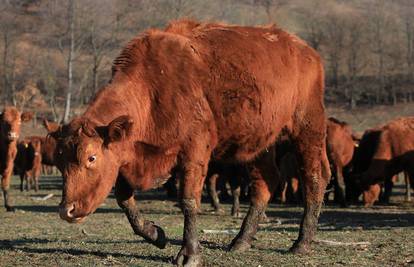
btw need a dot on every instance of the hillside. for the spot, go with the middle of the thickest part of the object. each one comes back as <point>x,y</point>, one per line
<point>367,45</point>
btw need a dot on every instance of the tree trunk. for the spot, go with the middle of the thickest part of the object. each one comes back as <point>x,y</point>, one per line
<point>70,62</point>
<point>5,80</point>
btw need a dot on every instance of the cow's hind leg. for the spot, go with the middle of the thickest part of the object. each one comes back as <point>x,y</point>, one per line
<point>340,187</point>
<point>407,187</point>
<point>315,177</point>
<point>264,175</point>
<point>29,181</point>
<point>21,182</point>
<point>212,191</point>
<point>148,230</point>
<point>235,184</point>
<point>36,183</point>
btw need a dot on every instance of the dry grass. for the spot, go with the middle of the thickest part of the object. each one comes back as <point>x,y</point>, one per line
<point>35,235</point>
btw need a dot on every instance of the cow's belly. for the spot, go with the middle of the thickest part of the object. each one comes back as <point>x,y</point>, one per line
<point>243,141</point>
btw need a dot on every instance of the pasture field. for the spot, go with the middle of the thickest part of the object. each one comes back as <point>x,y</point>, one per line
<point>35,236</point>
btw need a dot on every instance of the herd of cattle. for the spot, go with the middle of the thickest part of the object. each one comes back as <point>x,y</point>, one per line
<point>210,100</point>
<point>366,165</point>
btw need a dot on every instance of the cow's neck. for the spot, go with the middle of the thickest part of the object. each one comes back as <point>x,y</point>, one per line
<point>144,165</point>
<point>118,99</point>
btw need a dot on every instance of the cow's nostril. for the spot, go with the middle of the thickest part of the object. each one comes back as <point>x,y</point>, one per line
<point>70,210</point>
<point>66,212</point>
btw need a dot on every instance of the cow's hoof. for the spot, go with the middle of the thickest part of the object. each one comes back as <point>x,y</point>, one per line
<point>236,214</point>
<point>185,260</point>
<point>239,246</point>
<point>300,249</point>
<point>263,218</point>
<point>157,237</point>
<point>10,209</point>
<point>219,211</point>
<point>189,261</point>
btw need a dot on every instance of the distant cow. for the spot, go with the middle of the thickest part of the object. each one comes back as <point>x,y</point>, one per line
<point>28,162</point>
<point>49,144</point>
<point>384,152</point>
<point>10,122</point>
<point>192,92</point>
<point>340,144</point>
<point>34,173</point>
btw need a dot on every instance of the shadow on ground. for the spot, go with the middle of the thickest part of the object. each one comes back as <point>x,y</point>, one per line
<point>24,245</point>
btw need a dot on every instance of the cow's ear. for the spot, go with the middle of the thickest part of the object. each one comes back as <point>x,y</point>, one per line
<point>50,126</point>
<point>26,116</point>
<point>119,128</point>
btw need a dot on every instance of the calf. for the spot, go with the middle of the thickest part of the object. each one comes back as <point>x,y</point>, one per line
<point>188,94</point>
<point>10,122</point>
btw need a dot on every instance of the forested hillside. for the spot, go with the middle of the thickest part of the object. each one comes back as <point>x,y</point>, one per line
<point>52,51</point>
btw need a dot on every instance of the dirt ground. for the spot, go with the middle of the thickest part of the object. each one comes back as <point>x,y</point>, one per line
<point>34,235</point>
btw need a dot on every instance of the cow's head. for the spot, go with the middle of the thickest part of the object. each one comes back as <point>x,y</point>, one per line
<point>88,156</point>
<point>10,122</point>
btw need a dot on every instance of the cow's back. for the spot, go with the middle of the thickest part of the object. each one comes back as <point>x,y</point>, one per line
<point>247,82</point>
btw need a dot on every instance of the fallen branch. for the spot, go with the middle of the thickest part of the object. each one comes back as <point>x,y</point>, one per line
<point>226,231</point>
<point>43,198</point>
<point>337,243</point>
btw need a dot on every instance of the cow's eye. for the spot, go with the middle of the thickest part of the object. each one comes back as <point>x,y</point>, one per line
<point>92,158</point>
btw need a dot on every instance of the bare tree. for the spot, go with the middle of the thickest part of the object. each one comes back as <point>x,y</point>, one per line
<point>334,37</point>
<point>379,22</point>
<point>9,34</point>
<point>354,54</point>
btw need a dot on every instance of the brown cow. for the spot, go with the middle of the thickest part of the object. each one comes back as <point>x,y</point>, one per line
<point>10,121</point>
<point>187,94</point>
<point>389,151</point>
<point>34,173</point>
<point>340,145</point>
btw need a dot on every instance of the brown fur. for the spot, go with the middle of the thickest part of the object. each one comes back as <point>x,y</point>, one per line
<point>187,94</point>
<point>10,121</point>
<point>49,144</point>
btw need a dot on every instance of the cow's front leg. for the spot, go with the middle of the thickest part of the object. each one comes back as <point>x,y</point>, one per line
<point>146,229</point>
<point>192,185</point>
<point>5,185</point>
<point>194,163</point>
<point>212,191</point>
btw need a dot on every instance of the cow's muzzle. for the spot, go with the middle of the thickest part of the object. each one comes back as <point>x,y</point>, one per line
<point>66,212</point>
<point>13,136</point>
